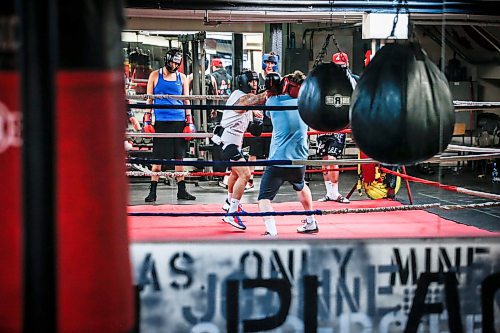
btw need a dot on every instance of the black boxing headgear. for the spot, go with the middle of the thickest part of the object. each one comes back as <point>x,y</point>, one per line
<point>272,58</point>
<point>173,55</point>
<point>273,84</point>
<point>244,81</point>
<point>291,86</point>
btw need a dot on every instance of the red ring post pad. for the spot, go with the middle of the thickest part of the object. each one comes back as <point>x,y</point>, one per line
<point>10,202</point>
<point>95,291</point>
<point>10,167</point>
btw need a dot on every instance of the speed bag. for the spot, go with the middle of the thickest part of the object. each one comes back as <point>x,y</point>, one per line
<point>402,110</point>
<point>325,97</point>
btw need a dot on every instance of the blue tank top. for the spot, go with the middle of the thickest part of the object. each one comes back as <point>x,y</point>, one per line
<point>164,87</point>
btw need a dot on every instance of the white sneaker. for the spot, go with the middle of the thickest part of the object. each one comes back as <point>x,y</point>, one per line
<point>268,235</point>
<point>308,228</point>
<point>249,186</point>
<point>235,221</point>
<point>325,198</point>
<point>340,199</point>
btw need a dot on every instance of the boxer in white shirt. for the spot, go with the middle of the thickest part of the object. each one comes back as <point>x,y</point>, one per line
<point>234,124</point>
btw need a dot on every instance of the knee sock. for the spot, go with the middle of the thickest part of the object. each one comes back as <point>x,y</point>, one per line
<point>270,225</point>
<point>233,205</point>
<point>335,191</point>
<point>328,186</point>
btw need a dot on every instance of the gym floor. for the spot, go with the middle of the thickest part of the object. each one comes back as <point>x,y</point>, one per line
<point>477,178</point>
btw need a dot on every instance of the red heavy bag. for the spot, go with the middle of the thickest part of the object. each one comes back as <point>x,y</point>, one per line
<point>10,168</point>
<point>94,272</point>
<point>402,110</point>
<point>325,97</point>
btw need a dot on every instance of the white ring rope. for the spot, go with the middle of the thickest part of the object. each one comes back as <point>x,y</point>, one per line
<point>472,149</point>
<point>169,135</point>
<point>185,97</point>
<point>166,174</point>
<point>459,105</point>
<point>476,104</point>
<point>478,193</point>
<point>409,207</point>
<point>138,80</point>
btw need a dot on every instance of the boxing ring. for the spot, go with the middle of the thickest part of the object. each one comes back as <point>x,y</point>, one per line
<point>368,267</point>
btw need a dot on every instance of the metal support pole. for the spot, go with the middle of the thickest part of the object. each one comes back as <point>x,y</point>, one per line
<point>237,54</point>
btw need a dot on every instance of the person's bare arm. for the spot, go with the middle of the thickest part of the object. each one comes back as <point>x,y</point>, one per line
<point>185,91</point>
<point>153,78</point>
<point>251,99</point>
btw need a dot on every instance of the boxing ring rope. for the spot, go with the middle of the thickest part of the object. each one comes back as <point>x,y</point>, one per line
<point>209,135</point>
<point>451,188</point>
<point>203,174</point>
<point>459,105</point>
<point>353,161</point>
<point>475,106</point>
<point>183,97</point>
<point>326,211</point>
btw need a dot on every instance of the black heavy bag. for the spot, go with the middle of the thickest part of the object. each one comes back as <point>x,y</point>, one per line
<point>402,110</point>
<point>324,98</point>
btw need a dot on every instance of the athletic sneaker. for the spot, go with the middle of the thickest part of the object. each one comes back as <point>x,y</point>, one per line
<point>308,228</point>
<point>249,186</point>
<point>227,205</point>
<point>340,199</point>
<point>268,235</point>
<point>235,221</point>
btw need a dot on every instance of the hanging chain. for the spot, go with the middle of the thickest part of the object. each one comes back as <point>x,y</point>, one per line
<point>401,4</point>
<point>324,49</point>
<point>322,53</point>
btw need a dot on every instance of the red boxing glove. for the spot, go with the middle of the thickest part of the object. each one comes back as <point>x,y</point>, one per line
<point>147,119</point>
<point>148,129</point>
<point>189,128</point>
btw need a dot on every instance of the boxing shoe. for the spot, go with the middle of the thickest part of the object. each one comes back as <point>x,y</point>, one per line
<point>308,228</point>
<point>152,192</point>
<point>267,234</point>
<point>182,194</point>
<point>340,199</point>
<point>235,221</point>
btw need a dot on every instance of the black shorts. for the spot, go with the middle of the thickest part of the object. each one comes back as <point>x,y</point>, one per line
<point>218,155</point>
<point>232,153</point>
<point>259,146</point>
<point>275,176</point>
<point>331,144</point>
<point>169,148</point>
